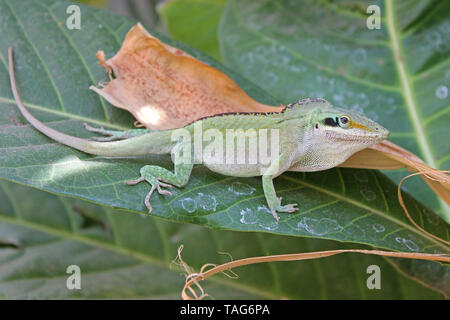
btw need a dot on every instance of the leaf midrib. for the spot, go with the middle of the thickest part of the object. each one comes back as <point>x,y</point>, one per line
<point>411,104</point>
<point>407,93</point>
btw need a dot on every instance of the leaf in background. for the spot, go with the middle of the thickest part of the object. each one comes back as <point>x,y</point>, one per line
<point>398,75</point>
<point>95,3</point>
<point>128,256</point>
<point>342,204</point>
<point>142,10</point>
<point>194,22</point>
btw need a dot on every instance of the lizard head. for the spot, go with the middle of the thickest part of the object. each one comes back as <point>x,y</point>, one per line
<point>335,134</point>
<point>338,125</point>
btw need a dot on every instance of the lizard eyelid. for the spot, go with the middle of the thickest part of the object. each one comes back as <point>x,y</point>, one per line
<point>344,122</point>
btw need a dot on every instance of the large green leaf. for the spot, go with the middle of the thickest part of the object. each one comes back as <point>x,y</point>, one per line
<point>129,256</point>
<point>55,67</point>
<point>398,75</point>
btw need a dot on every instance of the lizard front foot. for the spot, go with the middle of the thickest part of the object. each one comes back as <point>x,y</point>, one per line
<point>113,135</point>
<point>108,135</point>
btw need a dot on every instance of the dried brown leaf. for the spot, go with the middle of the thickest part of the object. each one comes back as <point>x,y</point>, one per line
<point>389,156</point>
<point>165,88</point>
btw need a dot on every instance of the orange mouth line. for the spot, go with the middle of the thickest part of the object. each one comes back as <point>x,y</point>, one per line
<point>354,124</point>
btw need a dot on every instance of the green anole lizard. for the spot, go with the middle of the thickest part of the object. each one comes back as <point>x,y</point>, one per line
<point>312,135</point>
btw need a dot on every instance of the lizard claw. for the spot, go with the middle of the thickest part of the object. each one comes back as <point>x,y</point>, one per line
<point>279,200</point>
<point>164,185</point>
<point>147,201</point>
<point>286,208</point>
<point>160,191</point>
<point>164,192</point>
<point>275,216</point>
<point>133,182</point>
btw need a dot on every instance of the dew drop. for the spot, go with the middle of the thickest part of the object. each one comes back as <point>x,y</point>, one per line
<point>359,57</point>
<point>240,189</point>
<point>319,227</point>
<point>441,92</point>
<point>378,227</point>
<point>267,220</point>
<point>248,216</point>
<point>207,202</point>
<point>188,204</point>
<point>411,245</point>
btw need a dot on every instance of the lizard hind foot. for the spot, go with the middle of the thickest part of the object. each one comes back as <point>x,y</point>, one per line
<point>156,185</point>
<point>288,208</point>
<point>160,180</point>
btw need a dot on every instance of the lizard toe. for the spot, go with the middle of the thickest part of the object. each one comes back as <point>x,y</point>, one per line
<point>164,192</point>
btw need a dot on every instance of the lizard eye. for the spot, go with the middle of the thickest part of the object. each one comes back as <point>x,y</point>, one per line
<point>344,121</point>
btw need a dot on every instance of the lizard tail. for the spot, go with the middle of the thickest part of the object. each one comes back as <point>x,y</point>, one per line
<point>128,147</point>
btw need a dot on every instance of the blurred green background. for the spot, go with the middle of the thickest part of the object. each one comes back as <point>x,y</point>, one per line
<point>194,22</point>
